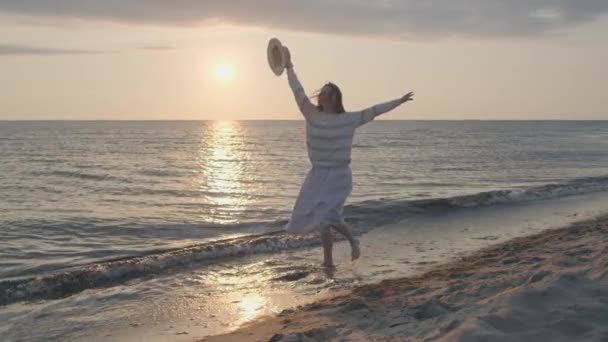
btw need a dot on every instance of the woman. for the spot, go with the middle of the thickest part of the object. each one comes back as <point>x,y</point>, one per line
<point>329,137</point>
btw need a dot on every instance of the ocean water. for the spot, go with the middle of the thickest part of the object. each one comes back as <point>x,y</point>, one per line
<point>86,206</point>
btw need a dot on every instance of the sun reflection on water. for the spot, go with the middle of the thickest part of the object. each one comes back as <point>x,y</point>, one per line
<point>250,306</point>
<point>222,159</point>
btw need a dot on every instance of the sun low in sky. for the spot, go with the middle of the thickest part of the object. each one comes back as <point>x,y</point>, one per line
<point>224,72</point>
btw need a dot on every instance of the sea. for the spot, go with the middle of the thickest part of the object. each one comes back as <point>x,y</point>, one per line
<point>174,230</point>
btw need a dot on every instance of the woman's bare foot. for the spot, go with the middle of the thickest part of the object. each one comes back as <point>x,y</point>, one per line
<point>355,250</point>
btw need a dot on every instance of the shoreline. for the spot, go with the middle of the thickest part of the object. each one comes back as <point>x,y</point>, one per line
<point>552,285</point>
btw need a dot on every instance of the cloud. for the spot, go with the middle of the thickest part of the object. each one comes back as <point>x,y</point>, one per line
<point>12,50</point>
<point>396,19</point>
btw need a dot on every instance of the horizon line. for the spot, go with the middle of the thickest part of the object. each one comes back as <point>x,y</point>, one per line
<point>186,120</point>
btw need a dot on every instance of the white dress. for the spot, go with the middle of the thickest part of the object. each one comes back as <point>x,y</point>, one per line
<point>321,199</point>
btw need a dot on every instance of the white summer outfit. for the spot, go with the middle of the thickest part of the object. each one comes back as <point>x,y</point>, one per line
<point>329,139</point>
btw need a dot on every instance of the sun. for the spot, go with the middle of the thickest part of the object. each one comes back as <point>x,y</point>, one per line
<point>224,72</point>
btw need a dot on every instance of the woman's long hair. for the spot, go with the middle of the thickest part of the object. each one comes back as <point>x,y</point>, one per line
<point>336,94</point>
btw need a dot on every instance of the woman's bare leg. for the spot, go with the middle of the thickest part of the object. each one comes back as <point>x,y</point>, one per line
<point>345,230</point>
<point>327,239</point>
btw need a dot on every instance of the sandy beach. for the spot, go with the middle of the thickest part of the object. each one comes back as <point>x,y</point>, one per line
<point>552,286</point>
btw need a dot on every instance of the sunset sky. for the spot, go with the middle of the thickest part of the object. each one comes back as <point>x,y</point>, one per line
<point>206,60</point>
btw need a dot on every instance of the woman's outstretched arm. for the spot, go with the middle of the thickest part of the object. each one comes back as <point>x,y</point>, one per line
<point>302,99</point>
<point>371,113</point>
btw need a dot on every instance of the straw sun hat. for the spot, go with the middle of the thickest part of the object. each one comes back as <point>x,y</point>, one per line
<point>276,56</point>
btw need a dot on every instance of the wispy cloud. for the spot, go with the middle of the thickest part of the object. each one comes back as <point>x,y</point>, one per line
<point>10,49</point>
<point>158,47</point>
<point>390,18</point>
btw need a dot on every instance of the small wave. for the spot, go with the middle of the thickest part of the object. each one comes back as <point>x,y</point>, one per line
<point>437,184</point>
<point>112,272</point>
<point>453,169</point>
<point>161,173</point>
<point>542,192</point>
<point>378,212</point>
<point>85,226</point>
<point>81,175</point>
<point>47,160</point>
<point>182,193</point>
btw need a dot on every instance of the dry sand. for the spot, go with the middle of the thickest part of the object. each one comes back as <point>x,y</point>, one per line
<point>552,286</point>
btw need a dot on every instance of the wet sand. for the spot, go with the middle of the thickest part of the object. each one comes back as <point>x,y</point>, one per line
<point>552,286</point>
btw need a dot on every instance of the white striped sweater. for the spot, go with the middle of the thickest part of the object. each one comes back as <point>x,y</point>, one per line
<point>329,136</point>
